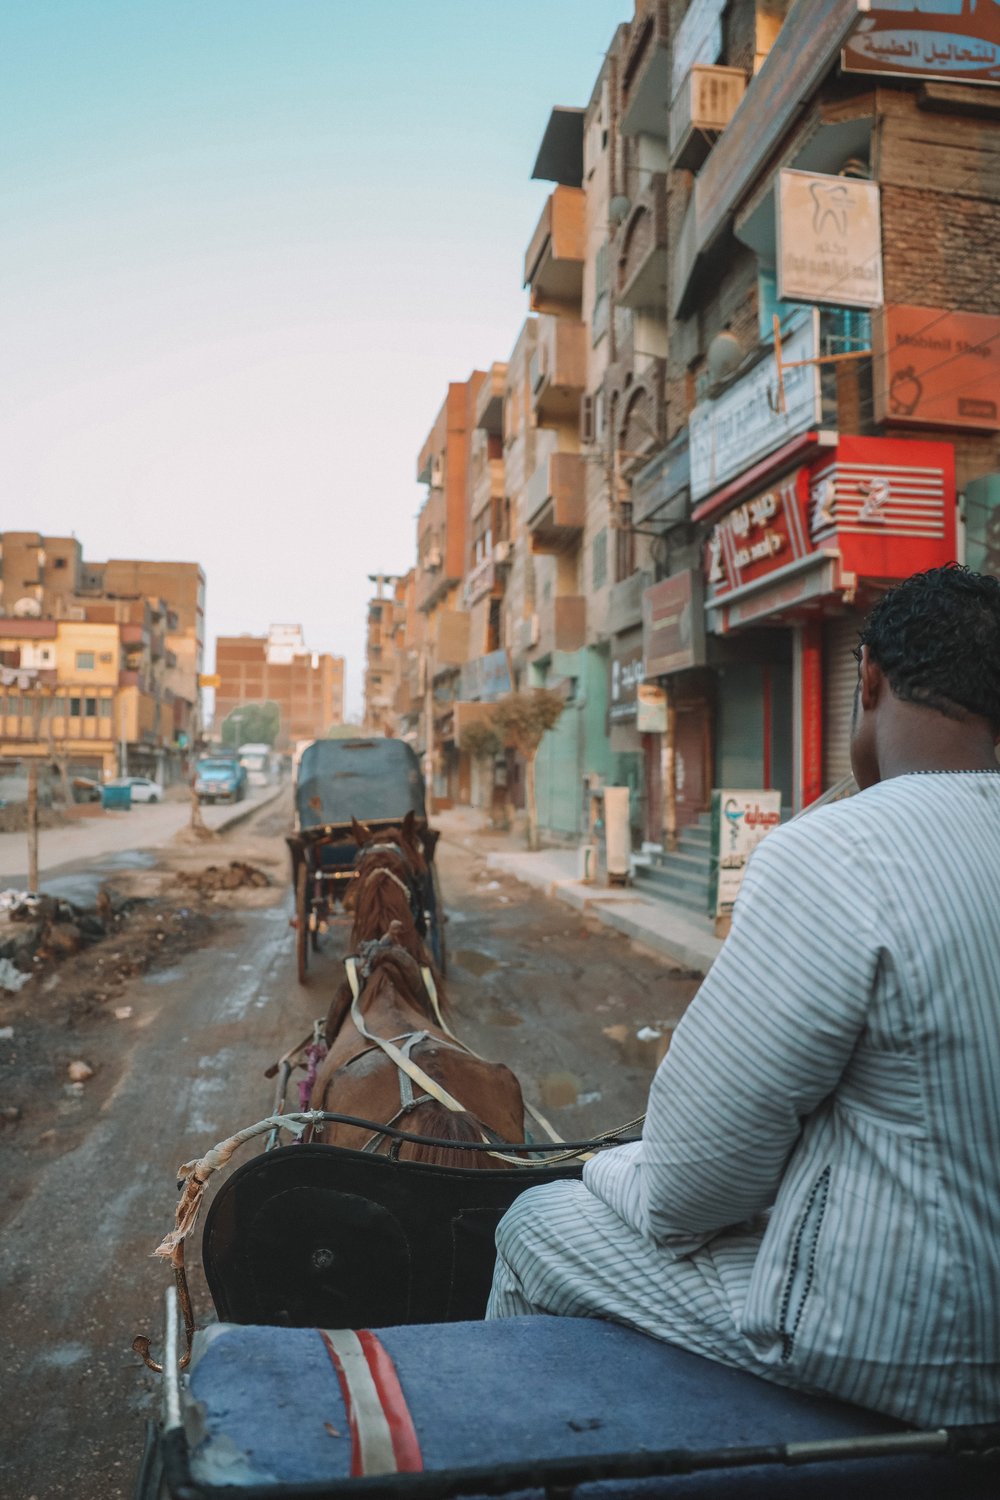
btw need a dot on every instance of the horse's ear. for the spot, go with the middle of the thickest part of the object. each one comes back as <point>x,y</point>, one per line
<point>408,823</point>
<point>360,832</point>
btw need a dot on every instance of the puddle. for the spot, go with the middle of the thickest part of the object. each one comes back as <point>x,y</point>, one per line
<point>475,963</point>
<point>558,1090</point>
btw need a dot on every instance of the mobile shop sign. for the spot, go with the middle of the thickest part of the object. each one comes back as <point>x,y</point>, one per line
<point>935,41</point>
<point>758,537</point>
<point>829,240</point>
<point>739,821</point>
<point>937,367</point>
<point>730,434</point>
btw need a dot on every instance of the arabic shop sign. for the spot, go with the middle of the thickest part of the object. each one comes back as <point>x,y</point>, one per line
<point>626,671</point>
<point>673,624</point>
<point>829,240</point>
<point>936,41</point>
<point>937,367</point>
<point>746,422</point>
<point>486,678</point>
<point>759,536</point>
<point>740,820</point>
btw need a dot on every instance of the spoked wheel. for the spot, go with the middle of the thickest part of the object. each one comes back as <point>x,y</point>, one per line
<point>302,921</point>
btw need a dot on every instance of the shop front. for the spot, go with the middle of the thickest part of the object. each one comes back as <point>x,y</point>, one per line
<point>625,675</point>
<point>799,560</point>
<point>676,725</point>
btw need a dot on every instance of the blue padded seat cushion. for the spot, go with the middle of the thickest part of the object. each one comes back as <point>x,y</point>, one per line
<point>269,1408</point>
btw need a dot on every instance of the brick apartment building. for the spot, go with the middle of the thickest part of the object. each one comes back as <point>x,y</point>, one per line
<point>759,381</point>
<point>99,662</point>
<point>307,686</point>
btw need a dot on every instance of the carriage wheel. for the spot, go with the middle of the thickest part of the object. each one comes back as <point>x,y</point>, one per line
<point>302,921</point>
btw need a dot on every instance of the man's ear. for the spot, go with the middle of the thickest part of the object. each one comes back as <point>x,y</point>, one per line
<point>872,679</point>
<point>360,832</point>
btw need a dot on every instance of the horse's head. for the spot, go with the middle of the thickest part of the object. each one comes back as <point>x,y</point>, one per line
<point>384,955</point>
<point>401,839</point>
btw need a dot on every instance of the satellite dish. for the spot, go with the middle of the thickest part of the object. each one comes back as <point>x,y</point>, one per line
<point>27,608</point>
<point>619,208</point>
<point>725,355</point>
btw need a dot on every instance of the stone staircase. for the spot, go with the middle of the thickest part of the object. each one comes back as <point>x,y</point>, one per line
<point>682,877</point>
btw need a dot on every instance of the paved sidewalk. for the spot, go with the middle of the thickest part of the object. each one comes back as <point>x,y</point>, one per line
<point>671,930</point>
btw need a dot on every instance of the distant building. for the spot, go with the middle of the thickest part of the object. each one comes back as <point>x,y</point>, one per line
<point>307,686</point>
<point>99,662</point>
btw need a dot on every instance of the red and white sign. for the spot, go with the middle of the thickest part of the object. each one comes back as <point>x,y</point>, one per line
<point>882,507</point>
<point>886,504</point>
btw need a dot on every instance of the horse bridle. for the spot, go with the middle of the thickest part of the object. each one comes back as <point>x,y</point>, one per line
<point>412,891</point>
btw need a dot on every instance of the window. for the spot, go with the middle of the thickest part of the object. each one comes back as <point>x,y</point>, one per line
<point>90,708</point>
<point>599,559</point>
<point>85,661</point>
<point>105,708</point>
<point>74,708</point>
<point>58,562</point>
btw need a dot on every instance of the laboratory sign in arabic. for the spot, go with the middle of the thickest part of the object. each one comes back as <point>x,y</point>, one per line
<point>936,41</point>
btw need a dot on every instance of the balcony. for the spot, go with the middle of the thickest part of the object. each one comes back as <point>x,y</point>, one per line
<point>556,503</point>
<point>487,482</point>
<point>489,402</point>
<point>559,371</point>
<point>481,582</point>
<point>804,50</point>
<point>646,71</point>
<point>642,428</point>
<point>707,100</point>
<point>553,262</point>
<point>134,635</point>
<point>562,624</point>
<point>643,260</point>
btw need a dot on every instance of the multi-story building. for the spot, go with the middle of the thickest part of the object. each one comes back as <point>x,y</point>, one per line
<point>384,652</point>
<point>759,383</point>
<point>307,686</point>
<point>125,641</point>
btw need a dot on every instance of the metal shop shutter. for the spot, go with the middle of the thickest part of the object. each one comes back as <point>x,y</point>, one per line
<point>840,674</point>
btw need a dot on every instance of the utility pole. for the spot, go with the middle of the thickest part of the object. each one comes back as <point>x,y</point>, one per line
<point>33,826</point>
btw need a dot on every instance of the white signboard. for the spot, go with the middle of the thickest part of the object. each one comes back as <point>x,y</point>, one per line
<point>730,434</point>
<point>739,821</point>
<point>829,240</point>
<point>698,39</point>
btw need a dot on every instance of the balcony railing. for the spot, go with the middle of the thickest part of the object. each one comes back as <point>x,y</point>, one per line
<point>556,503</point>
<point>487,485</point>
<point>559,371</point>
<point>553,262</point>
<point>643,261</point>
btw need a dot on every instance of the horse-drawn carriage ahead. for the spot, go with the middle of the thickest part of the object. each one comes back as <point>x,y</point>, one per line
<point>376,782</point>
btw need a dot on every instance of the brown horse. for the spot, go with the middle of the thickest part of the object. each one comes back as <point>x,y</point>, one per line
<point>390,870</point>
<point>358,1078</point>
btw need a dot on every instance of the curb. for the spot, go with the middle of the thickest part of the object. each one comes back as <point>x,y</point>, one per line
<point>247,811</point>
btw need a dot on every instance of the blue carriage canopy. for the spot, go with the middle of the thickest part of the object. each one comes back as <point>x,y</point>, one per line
<point>373,780</point>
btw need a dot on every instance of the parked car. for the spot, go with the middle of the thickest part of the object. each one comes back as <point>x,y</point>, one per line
<point>218,778</point>
<point>144,788</point>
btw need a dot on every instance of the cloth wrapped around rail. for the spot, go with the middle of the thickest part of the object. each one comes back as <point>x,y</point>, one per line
<point>292,1408</point>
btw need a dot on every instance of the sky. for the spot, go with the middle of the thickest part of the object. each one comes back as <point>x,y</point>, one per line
<point>246,245</point>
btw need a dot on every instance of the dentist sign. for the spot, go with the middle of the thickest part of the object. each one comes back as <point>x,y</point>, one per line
<point>739,821</point>
<point>829,240</point>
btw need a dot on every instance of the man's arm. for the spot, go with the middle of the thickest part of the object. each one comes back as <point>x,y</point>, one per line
<point>765,1041</point>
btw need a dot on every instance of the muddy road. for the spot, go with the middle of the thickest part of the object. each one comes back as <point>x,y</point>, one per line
<point>178,1051</point>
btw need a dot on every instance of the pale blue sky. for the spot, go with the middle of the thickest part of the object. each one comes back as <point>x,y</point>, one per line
<point>246,244</point>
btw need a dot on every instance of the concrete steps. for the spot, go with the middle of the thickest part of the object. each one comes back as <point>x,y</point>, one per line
<point>682,877</point>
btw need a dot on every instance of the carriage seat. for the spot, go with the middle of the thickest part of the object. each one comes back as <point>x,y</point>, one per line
<point>269,1406</point>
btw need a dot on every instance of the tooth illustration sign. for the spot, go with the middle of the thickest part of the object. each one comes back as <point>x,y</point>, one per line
<point>829,239</point>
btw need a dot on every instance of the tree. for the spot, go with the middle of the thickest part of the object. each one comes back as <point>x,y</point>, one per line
<point>344,732</point>
<point>252,724</point>
<point>522,721</point>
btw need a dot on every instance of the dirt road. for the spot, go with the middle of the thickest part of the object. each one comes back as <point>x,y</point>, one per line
<point>92,1170</point>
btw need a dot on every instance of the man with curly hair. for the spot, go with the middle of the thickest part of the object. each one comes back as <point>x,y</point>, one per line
<point>816,1196</point>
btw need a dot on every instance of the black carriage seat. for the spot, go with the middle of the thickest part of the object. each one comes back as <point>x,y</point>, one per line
<point>270,1408</point>
<point>317,1236</point>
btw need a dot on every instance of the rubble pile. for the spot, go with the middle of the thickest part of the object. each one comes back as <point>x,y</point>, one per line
<point>14,817</point>
<point>235,876</point>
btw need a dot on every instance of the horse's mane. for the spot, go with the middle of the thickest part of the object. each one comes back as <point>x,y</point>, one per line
<point>384,965</point>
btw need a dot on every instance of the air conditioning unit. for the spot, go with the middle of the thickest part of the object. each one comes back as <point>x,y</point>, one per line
<point>433,558</point>
<point>705,103</point>
<point>503,552</point>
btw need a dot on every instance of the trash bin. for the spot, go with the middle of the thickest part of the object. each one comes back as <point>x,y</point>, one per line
<point>116,797</point>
